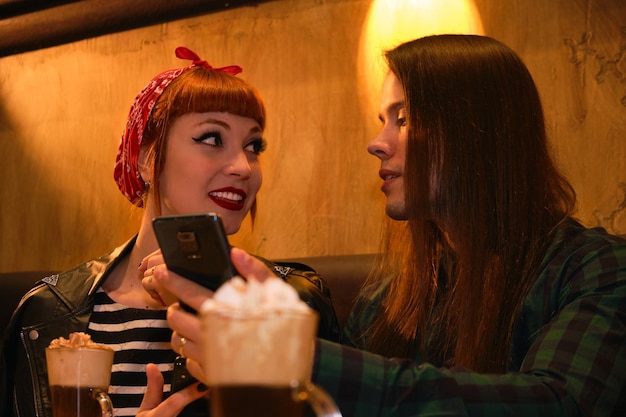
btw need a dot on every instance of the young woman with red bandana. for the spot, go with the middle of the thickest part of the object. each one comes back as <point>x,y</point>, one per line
<point>191,145</point>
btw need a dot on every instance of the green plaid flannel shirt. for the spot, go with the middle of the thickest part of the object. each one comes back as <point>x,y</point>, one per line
<point>568,355</point>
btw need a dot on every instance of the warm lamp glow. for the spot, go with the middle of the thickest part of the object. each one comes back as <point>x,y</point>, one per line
<point>391,22</point>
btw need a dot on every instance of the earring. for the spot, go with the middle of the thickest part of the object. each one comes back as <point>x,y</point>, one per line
<point>147,185</point>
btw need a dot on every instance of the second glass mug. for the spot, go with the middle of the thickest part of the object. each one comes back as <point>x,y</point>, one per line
<point>261,365</point>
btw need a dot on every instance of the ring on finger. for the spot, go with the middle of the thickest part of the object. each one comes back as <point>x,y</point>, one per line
<point>182,345</point>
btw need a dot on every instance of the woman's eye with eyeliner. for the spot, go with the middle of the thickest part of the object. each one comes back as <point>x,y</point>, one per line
<point>209,138</point>
<point>256,146</point>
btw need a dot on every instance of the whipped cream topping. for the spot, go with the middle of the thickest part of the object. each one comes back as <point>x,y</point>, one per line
<point>76,340</point>
<point>256,298</point>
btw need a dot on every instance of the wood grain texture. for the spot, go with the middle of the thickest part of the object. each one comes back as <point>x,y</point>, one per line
<point>62,111</point>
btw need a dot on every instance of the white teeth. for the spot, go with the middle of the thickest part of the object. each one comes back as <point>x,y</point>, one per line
<point>227,196</point>
<point>390,177</point>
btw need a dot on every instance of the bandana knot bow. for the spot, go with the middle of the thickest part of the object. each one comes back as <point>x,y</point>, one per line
<point>184,53</point>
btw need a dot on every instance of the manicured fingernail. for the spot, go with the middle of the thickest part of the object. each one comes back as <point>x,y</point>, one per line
<point>202,387</point>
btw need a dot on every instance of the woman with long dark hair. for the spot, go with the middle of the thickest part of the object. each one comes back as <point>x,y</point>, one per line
<point>489,298</point>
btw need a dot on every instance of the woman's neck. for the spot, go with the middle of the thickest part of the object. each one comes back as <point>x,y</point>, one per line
<point>124,283</point>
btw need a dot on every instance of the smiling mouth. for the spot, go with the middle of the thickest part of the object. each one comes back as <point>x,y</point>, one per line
<point>227,196</point>
<point>229,199</point>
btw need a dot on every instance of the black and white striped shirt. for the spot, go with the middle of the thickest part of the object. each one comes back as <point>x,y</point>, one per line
<point>138,337</point>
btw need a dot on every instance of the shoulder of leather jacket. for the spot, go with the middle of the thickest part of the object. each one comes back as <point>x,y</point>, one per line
<point>312,290</point>
<point>285,269</point>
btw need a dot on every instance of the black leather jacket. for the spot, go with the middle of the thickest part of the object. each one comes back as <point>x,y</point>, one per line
<point>62,304</point>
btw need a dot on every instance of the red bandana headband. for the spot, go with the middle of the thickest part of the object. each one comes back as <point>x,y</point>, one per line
<point>126,172</point>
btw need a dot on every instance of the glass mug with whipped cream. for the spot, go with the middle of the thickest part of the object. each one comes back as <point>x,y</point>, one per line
<point>258,347</point>
<point>79,374</point>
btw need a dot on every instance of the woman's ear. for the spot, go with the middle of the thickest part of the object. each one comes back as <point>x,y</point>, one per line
<point>145,168</point>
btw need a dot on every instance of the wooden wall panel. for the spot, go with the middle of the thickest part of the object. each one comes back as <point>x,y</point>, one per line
<point>62,110</point>
<point>576,51</point>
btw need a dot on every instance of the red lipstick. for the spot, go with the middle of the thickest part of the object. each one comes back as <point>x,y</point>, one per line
<point>229,198</point>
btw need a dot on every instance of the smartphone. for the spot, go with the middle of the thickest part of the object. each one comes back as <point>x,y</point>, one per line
<point>181,378</point>
<point>196,247</point>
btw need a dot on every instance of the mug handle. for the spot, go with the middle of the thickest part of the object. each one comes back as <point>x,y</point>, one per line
<point>105,403</point>
<point>321,403</point>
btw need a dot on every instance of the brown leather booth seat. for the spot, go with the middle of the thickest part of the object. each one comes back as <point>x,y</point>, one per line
<point>344,275</point>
